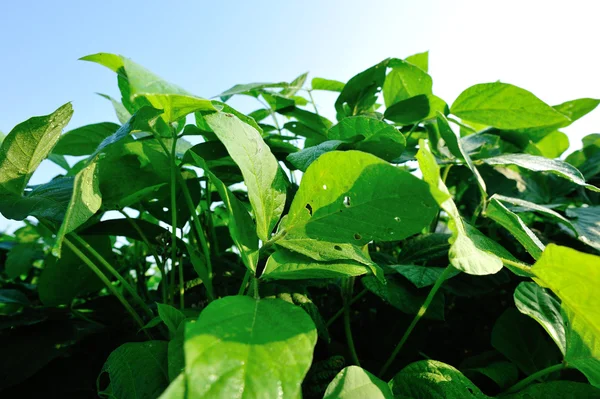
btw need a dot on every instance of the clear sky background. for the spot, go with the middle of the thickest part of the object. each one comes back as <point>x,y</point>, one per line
<point>550,48</point>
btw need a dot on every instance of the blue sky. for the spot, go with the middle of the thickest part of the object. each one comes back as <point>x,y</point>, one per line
<point>547,47</point>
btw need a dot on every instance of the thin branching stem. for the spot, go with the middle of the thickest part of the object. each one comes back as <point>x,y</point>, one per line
<point>534,377</point>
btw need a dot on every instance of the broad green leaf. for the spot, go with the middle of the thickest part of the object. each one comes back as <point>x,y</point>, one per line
<point>405,298</point>
<point>354,382</point>
<point>464,254</point>
<point>404,81</point>
<point>122,114</point>
<point>60,160</point>
<point>284,264</point>
<point>26,146</point>
<point>263,177</point>
<point>312,120</point>
<point>522,341</point>
<point>383,202</point>
<point>515,225</point>
<point>424,248</point>
<point>370,135</point>
<point>251,89</point>
<point>247,348</point>
<point>295,86</point>
<point>302,159</point>
<point>541,164</point>
<point>327,84</point>
<point>360,93</point>
<point>492,365</point>
<point>430,379</point>
<point>177,106</point>
<point>84,140</point>
<point>21,257</point>
<point>533,301</point>
<point>575,109</point>
<point>170,316</point>
<point>240,224</point>
<point>553,145</point>
<point>421,276</point>
<point>586,221</point>
<point>67,277</point>
<point>505,106</point>
<point>85,201</point>
<point>575,277</point>
<point>136,370</point>
<point>49,201</point>
<point>557,389</point>
<point>175,390</point>
<point>420,59</point>
<point>454,145</point>
<point>520,205</point>
<point>409,111</point>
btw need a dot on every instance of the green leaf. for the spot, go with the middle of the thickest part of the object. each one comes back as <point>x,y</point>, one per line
<point>404,81</point>
<point>465,254</point>
<point>586,221</point>
<point>553,145</point>
<point>84,140</point>
<point>575,277</point>
<point>533,301</point>
<point>175,390</point>
<point>284,264</point>
<point>251,89</point>
<point>177,106</point>
<point>67,277</point>
<point>515,225</point>
<point>383,202</point>
<point>302,159</point>
<point>421,276</point>
<point>360,93</point>
<point>370,135</point>
<point>541,164</point>
<point>295,86</point>
<point>122,114</point>
<point>575,109</point>
<point>420,59</point>
<point>557,389</point>
<point>405,298</point>
<point>263,177</point>
<point>20,258</point>
<point>505,106</point>
<point>492,365</point>
<point>27,145</point>
<point>240,224</point>
<point>409,111</point>
<point>327,84</point>
<point>170,316</point>
<point>136,370</point>
<point>454,145</point>
<point>430,379</point>
<point>354,382</point>
<point>520,339</point>
<point>246,348</point>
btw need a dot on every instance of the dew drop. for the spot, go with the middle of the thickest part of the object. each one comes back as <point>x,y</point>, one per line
<point>397,219</point>
<point>346,201</point>
<point>324,186</point>
<point>165,209</point>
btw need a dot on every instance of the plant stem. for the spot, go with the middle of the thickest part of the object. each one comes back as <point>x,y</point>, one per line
<point>341,311</point>
<point>312,100</point>
<point>211,224</point>
<point>255,288</point>
<point>522,267</point>
<point>418,316</point>
<point>347,288</point>
<point>174,172</point>
<point>114,272</point>
<point>244,282</point>
<point>105,280</point>
<point>535,376</point>
<point>152,249</point>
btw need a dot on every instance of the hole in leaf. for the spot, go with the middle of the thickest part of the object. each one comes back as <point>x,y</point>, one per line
<point>337,247</point>
<point>309,208</point>
<point>397,219</point>
<point>357,236</point>
<point>346,201</point>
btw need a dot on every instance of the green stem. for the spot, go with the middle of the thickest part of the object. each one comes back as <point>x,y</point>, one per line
<point>469,128</point>
<point>341,311</point>
<point>312,100</point>
<point>263,251</point>
<point>535,376</point>
<point>255,288</point>
<point>244,282</point>
<point>347,289</point>
<point>114,272</point>
<point>522,267</point>
<point>418,316</point>
<point>174,172</point>
<point>104,280</point>
<point>152,249</point>
<point>211,224</point>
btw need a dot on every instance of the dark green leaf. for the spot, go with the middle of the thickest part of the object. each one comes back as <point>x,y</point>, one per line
<point>356,383</point>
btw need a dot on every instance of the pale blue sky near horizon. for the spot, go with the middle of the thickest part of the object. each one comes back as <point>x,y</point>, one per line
<point>547,47</point>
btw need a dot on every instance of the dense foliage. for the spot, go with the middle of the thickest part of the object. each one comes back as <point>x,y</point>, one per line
<point>408,250</point>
